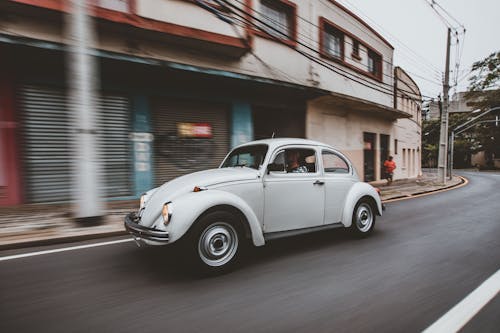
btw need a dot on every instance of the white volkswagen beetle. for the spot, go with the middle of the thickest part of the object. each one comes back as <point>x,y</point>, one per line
<point>263,190</point>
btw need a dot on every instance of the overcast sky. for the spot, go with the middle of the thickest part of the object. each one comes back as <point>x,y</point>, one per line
<point>414,24</point>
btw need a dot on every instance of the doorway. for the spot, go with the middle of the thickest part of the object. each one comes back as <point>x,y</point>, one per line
<point>384,152</point>
<point>369,156</point>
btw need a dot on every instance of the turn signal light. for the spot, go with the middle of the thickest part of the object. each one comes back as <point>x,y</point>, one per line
<point>198,189</point>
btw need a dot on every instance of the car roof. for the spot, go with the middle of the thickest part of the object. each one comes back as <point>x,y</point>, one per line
<point>277,142</point>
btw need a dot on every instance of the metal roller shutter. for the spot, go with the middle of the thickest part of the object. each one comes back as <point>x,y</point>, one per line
<point>48,151</point>
<point>114,129</point>
<point>174,155</point>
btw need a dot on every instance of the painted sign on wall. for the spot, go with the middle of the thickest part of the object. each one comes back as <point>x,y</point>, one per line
<point>194,130</point>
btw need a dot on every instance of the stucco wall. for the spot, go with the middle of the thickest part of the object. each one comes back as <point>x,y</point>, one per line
<point>269,59</point>
<point>408,154</point>
<point>344,131</point>
<point>274,60</point>
<point>185,13</point>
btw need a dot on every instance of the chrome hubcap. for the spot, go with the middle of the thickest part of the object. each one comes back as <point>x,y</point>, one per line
<point>364,217</point>
<point>218,244</point>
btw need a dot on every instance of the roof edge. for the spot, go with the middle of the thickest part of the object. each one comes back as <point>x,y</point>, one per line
<point>363,22</point>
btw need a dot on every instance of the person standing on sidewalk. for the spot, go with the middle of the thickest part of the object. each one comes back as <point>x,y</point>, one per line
<point>389,166</point>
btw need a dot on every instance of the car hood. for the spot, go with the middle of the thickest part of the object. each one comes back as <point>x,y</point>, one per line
<point>169,191</point>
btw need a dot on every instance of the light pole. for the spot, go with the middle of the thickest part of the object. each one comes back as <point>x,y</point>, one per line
<point>460,129</point>
<point>443,135</point>
<point>82,79</point>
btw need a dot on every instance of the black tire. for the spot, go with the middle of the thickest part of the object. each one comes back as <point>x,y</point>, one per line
<point>216,241</point>
<point>363,218</point>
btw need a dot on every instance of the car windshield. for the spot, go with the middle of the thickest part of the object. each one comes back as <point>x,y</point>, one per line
<point>247,156</point>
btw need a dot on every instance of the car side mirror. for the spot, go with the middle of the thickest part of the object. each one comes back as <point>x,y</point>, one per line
<point>275,167</point>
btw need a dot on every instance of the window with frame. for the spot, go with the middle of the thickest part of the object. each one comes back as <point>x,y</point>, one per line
<point>333,163</point>
<point>333,42</point>
<point>280,16</point>
<point>355,49</point>
<point>374,64</point>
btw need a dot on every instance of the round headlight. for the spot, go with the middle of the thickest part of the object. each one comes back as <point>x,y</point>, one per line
<point>166,212</point>
<point>142,202</point>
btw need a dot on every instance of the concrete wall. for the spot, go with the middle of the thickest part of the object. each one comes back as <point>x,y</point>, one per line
<point>185,13</point>
<point>407,132</point>
<point>268,59</point>
<point>277,61</point>
<point>344,130</point>
<point>409,149</point>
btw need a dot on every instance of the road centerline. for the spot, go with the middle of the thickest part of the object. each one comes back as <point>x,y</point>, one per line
<point>72,248</point>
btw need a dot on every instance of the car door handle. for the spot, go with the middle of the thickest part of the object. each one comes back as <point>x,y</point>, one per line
<point>318,182</point>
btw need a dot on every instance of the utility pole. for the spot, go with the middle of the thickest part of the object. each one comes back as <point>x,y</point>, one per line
<point>82,83</point>
<point>443,137</point>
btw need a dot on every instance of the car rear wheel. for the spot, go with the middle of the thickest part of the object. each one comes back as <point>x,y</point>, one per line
<point>363,219</point>
<point>217,241</point>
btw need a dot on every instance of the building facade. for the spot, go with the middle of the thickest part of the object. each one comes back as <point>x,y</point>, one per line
<point>407,131</point>
<point>181,83</point>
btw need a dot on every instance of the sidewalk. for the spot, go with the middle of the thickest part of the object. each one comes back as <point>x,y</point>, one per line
<point>34,225</point>
<point>406,188</point>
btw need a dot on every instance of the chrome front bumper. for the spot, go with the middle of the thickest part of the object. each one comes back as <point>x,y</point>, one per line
<point>144,234</point>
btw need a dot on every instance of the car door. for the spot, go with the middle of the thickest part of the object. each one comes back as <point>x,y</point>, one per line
<point>338,181</point>
<point>293,196</point>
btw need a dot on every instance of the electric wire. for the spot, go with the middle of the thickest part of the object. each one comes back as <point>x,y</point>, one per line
<point>346,74</point>
<point>317,42</point>
<point>425,61</point>
<point>313,42</point>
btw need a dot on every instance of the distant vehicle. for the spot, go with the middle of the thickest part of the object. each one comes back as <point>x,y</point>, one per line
<point>263,190</point>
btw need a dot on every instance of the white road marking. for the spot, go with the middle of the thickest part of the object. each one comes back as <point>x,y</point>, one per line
<point>31,254</point>
<point>460,314</point>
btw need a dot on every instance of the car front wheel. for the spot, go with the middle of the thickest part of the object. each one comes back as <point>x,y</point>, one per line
<point>363,219</point>
<point>217,241</point>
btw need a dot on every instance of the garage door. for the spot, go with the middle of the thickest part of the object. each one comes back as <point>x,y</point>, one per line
<point>189,136</point>
<point>48,150</point>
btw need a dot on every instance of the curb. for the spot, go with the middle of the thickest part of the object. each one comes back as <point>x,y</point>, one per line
<point>60,240</point>
<point>464,181</point>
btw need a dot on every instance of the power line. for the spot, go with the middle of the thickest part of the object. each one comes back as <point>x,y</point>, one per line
<point>426,62</point>
<point>346,74</point>
<point>433,2</point>
<point>313,42</point>
<point>317,60</point>
<point>316,43</point>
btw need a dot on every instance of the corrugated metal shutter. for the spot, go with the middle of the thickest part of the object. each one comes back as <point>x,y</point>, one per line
<point>114,130</point>
<point>48,150</point>
<point>175,156</point>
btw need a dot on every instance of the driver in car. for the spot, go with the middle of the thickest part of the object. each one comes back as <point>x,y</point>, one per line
<point>293,164</point>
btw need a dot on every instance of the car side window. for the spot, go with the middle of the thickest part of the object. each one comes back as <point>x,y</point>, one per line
<point>278,164</point>
<point>333,163</point>
<point>300,160</point>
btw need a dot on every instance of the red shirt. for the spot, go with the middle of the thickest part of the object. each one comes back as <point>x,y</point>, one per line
<point>389,166</point>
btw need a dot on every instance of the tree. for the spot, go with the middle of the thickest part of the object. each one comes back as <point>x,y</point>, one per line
<point>484,93</point>
<point>484,84</point>
<point>463,147</point>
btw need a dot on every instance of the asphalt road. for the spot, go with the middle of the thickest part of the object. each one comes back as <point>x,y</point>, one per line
<point>426,255</point>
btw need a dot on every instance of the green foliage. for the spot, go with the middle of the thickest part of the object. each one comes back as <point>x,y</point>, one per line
<point>484,93</point>
<point>486,73</point>
<point>484,84</point>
